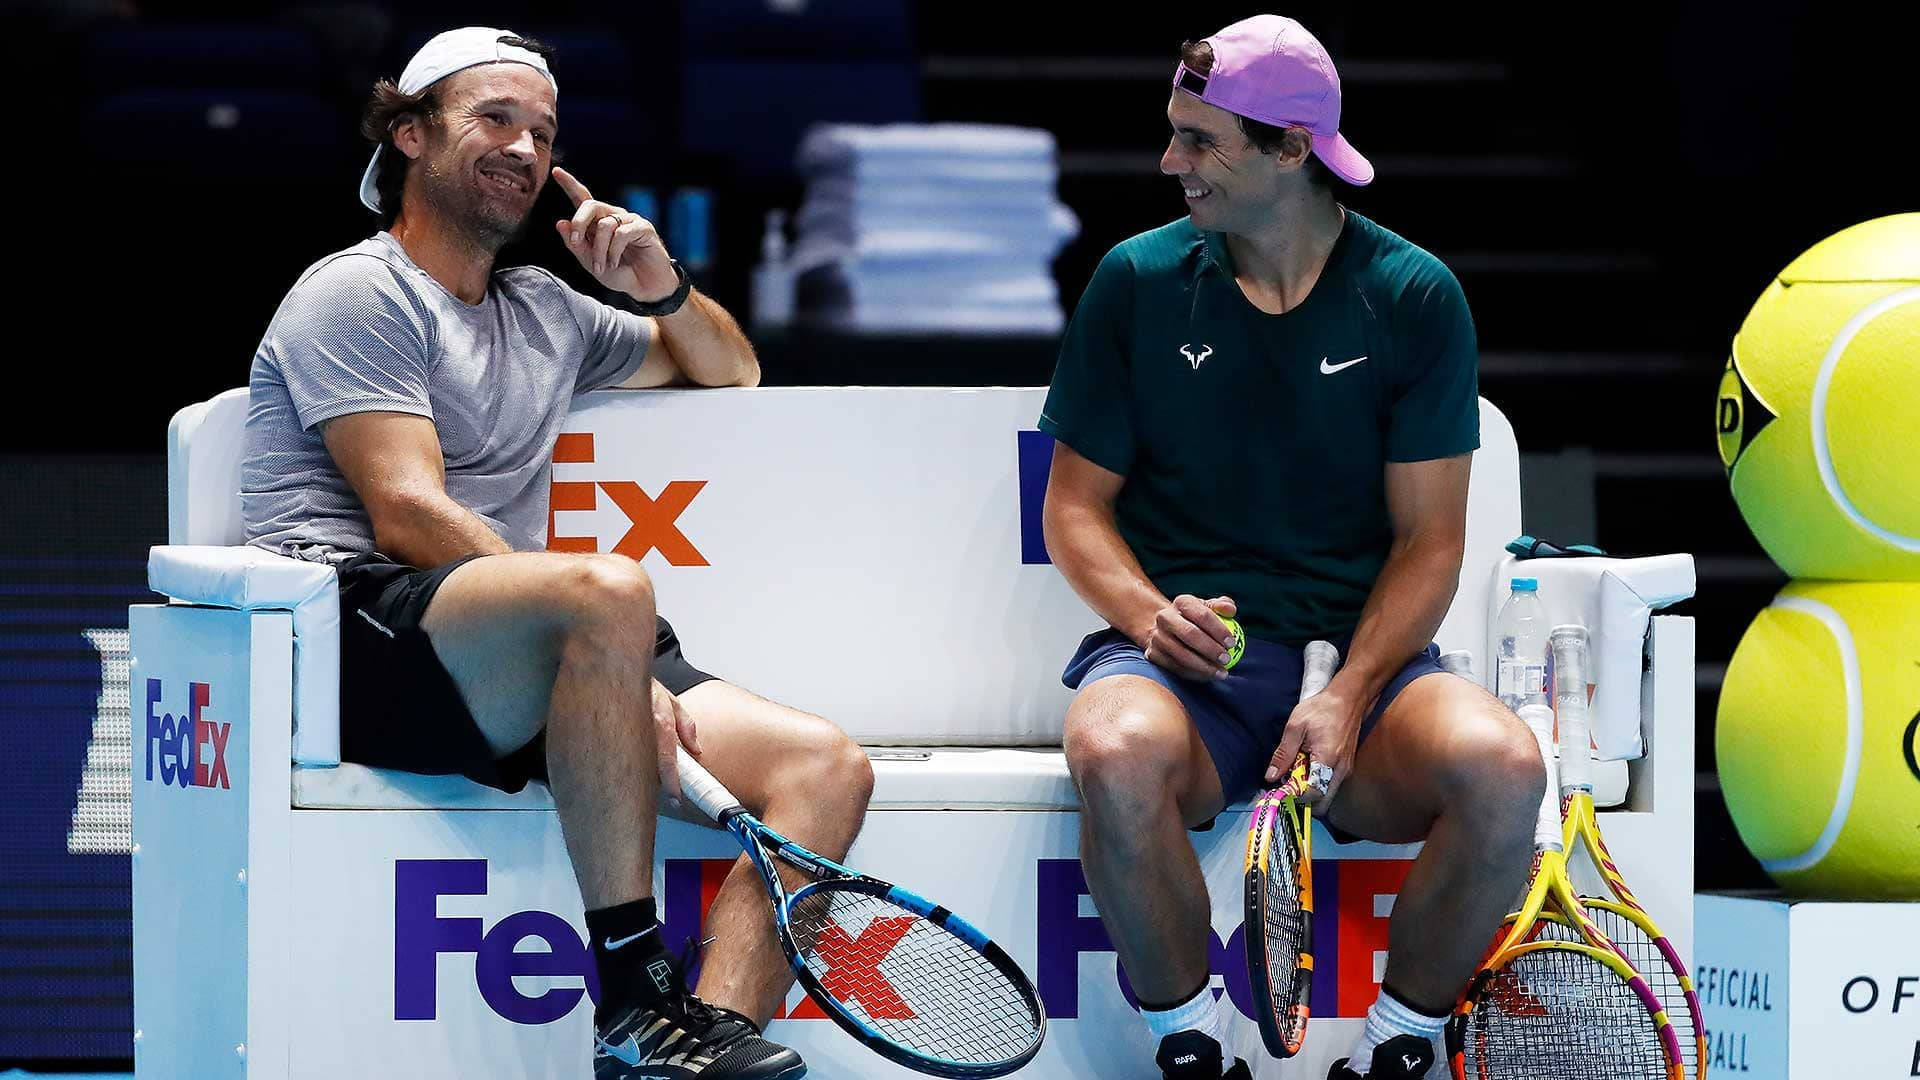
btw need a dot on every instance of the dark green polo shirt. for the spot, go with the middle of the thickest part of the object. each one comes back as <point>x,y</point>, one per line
<point>1255,446</point>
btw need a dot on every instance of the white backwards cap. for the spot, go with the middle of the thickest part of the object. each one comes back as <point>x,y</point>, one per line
<point>446,53</point>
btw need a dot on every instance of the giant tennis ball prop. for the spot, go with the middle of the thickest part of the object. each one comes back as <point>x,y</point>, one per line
<point>1816,740</point>
<point>1819,412</point>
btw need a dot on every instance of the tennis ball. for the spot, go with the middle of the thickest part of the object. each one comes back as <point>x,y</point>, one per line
<point>1816,739</point>
<point>1239,640</point>
<point>1816,408</point>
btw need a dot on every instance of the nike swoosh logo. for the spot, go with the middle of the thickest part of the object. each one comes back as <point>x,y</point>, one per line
<point>1328,369</point>
<point>628,1051</point>
<point>611,944</point>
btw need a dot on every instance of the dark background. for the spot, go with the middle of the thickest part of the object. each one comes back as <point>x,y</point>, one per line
<point>1613,185</point>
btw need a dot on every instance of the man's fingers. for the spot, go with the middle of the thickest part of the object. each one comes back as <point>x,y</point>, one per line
<point>1224,605</point>
<point>583,220</point>
<point>623,237</point>
<point>668,759</point>
<point>1180,625</point>
<point>1169,652</point>
<point>575,190</point>
<point>1202,615</point>
<point>603,231</point>
<point>1288,751</point>
<point>689,731</point>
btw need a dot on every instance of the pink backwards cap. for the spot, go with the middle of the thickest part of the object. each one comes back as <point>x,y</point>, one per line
<point>1269,68</point>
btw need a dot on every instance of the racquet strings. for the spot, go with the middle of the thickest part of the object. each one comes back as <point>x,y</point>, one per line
<point>905,977</point>
<point>1653,966</point>
<point>1557,1014</point>
<point>1286,926</point>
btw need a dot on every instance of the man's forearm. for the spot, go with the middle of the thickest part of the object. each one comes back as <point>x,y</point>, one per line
<point>707,344</point>
<point>434,531</point>
<point>1088,550</point>
<point>1408,602</point>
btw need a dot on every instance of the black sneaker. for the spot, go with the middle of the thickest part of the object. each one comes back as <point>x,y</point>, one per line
<point>684,1038</point>
<point>1403,1057</point>
<point>1190,1055</point>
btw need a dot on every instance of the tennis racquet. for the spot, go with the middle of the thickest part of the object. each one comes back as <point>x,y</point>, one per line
<point>1280,890</point>
<point>1555,998</point>
<point>1623,919</point>
<point>916,983</point>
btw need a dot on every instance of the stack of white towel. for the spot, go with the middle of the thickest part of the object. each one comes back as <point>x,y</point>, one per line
<point>929,228</point>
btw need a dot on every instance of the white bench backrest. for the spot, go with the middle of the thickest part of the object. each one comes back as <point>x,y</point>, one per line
<point>870,554</point>
<point>204,445</point>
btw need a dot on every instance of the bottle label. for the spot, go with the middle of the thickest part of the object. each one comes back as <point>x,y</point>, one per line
<point>1519,679</point>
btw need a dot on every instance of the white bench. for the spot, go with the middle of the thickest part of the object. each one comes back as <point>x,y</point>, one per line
<point>871,555</point>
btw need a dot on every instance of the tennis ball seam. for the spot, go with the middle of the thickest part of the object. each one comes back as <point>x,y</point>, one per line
<point>1856,735</point>
<point>1817,417</point>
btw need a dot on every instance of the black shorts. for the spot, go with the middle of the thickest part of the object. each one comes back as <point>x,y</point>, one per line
<point>400,709</point>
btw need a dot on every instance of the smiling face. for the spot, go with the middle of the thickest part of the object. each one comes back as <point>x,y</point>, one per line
<point>1230,184</point>
<point>486,158</point>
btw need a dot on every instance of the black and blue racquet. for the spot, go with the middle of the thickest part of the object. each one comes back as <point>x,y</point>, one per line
<point>916,983</point>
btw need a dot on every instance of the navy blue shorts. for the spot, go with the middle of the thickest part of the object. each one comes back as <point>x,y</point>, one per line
<point>1240,717</point>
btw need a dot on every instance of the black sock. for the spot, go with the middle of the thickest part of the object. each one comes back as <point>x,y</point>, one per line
<point>630,957</point>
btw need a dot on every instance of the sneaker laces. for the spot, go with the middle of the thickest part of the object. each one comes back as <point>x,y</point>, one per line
<point>716,1026</point>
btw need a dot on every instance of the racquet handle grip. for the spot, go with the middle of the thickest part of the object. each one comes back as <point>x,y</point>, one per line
<point>1320,659</point>
<point>1546,826</point>
<point>698,784</point>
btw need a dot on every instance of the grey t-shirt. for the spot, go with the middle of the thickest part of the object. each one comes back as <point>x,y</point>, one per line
<point>365,330</point>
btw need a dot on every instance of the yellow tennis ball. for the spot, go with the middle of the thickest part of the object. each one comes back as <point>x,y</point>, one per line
<point>1816,739</point>
<point>1816,408</point>
<point>1239,645</point>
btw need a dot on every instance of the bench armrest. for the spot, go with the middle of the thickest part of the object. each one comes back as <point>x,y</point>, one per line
<point>252,579</point>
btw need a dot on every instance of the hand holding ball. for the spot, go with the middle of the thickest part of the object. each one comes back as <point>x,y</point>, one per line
<point>1239,645</point>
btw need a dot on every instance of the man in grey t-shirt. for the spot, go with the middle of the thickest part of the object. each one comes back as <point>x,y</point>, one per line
<point>404,406</point>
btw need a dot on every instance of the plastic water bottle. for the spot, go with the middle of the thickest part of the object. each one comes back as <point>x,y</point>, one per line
<point>638,199</point>
<point>773,278</point>
<point>690,228</point>
<point>1521,674</point>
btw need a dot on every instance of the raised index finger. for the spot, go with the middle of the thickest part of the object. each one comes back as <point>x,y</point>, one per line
<point>575,190</point>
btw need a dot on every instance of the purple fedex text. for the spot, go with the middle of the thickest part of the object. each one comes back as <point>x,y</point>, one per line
<point>1064,935</point>
<point>1344,946</point>
<point>421,934</point>
<point>187,750</point>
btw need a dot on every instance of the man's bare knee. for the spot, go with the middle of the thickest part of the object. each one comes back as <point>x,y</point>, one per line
<point>829,764</point>
<point>1495,767</point>
<point>606,590</point>
<point>1120,756</point>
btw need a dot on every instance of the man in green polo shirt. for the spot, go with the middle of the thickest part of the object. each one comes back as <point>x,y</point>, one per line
<point>1268,408</point>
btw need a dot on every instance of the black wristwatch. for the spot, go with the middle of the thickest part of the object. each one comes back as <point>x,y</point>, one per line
<point>666,305</point>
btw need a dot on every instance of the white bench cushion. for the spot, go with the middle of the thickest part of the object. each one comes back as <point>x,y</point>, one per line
<point>904,778</point>
<point>251,579</point>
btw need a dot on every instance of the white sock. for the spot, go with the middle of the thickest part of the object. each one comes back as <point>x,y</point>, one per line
<point>1389,1017</point>
<point>1201,1013</point>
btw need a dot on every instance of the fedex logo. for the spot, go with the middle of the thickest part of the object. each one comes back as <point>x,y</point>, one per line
<point>188,750</point>
<point>651,522</point>
<point>1353,900</point>
<point>421,934</point>
<point>687,888</point>
<point>1350,936</point>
